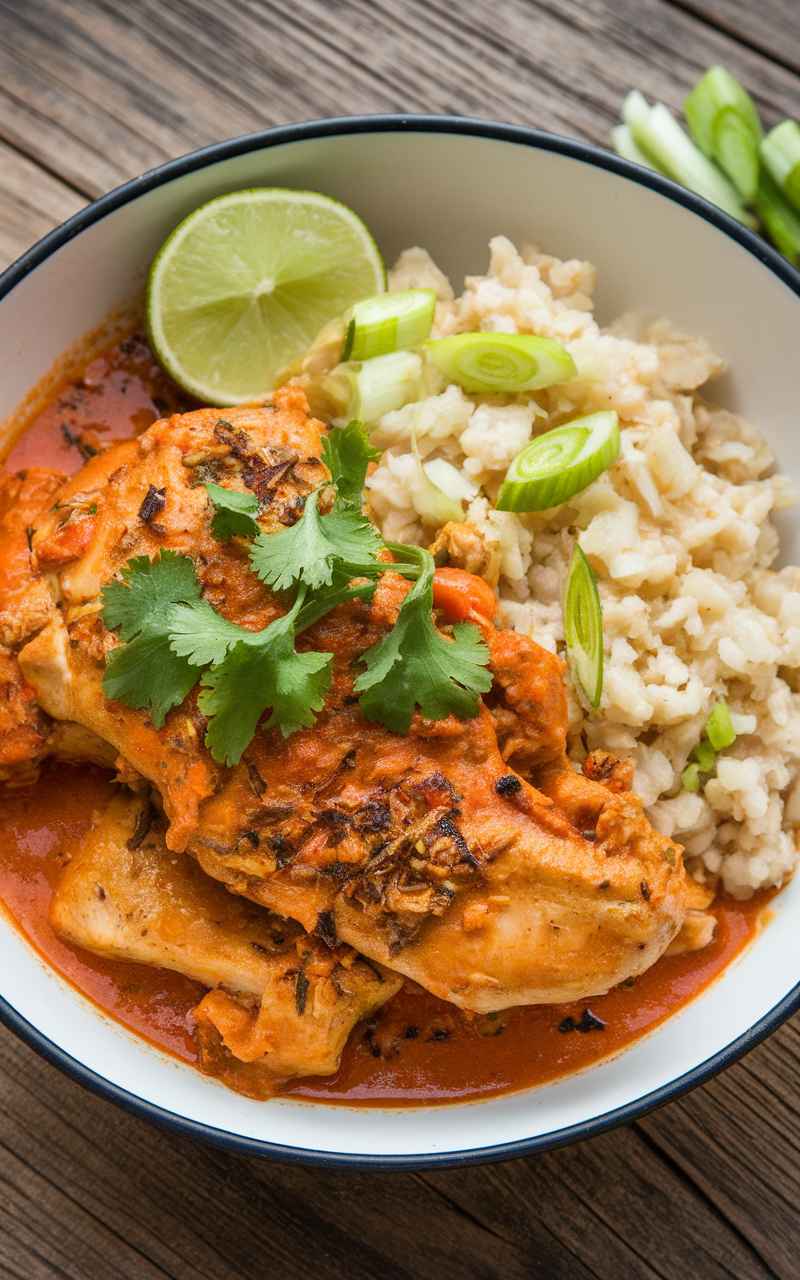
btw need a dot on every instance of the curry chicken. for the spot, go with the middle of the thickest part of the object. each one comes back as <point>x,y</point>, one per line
<point>305,884</point>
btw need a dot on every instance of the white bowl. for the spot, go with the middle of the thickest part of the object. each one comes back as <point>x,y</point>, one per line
<point>446,184</point>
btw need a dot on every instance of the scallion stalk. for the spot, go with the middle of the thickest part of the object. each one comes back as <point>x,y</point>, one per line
<point>583,628</point>
<point>659,136</point>
<point>510,362</point>
<point>725,125</point>
<point>720,734</point>
<point>388,322</point>
<point>624,145</point>
<point>780,218</point>
<point>780,151</point>
<point>557,465</point>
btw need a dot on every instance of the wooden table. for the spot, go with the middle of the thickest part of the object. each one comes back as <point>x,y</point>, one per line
<point>93,92</point>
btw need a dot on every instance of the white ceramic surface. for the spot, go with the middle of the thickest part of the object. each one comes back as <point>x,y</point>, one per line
<point>447,186</point>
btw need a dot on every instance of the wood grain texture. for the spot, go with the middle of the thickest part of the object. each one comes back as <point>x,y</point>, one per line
<point>93,92</point>
<point>90,1192</point>
<point>772,29</point>
<point>32,202</point>
<point>99,90</point>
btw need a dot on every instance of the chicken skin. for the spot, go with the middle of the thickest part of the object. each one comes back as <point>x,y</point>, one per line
<point>467,855</point>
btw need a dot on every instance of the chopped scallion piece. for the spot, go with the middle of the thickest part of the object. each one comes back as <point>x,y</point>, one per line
<point>704,756</point>
<point>430,502</point>
<point>719,728</point>
<point>657,133</point>
<point>370,389</point>
<point>557,465</point>
<point>388,322</point>
<point>780,151</point>
<point>691,777</point>
<point>725,124</point>
<point>583,628</point>
<point>491,362</point>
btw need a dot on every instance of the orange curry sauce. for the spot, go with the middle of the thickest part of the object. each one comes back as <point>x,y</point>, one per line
<point>417,1048</point>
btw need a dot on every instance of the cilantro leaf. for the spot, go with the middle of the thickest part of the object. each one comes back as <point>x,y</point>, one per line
<point>347,452</point>
<point>145,672</point>
<point>237,691</point>
<point>416,666</point>
<point>149,588</point>
<point>234,513</point>
<point>202,636</point>
<point>310,550</point>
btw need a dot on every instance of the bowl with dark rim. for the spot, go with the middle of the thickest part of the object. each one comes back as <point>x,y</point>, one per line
<point>448,184</point>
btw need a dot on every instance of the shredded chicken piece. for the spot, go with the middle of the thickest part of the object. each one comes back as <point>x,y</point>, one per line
<point>463,545</point>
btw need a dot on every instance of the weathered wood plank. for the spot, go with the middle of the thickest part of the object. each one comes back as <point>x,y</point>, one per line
<point>738,1139</point>
<point>89,1191</point>
<point>772,29</point>
<point>616,1207</point>
<point>32,202</point>
<point>95,1193</point>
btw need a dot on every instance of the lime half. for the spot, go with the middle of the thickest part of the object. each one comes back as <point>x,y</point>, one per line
<point>246,282</point>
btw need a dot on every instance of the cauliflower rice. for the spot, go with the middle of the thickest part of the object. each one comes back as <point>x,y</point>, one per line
<point>678,532</point>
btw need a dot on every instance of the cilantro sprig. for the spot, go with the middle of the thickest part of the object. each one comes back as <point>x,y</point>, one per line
<point>311,550</point>
<point>253,676</point>
<point>416,666</point>
<point>347,453</point>
<point>173,639</point>
<point>145,671</point>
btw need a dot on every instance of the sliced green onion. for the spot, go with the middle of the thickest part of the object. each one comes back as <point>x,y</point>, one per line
<point>704,756</point>
<point>719,728</point>
<point>583,628</point>
<point>657,133</point>
<point>388,322</point>
<point>430,502</point>
<point>624,145</point>
<point>501,361</point>
<point>725,124</point>
<point>781,220</point>
<point>370,389</point>
<point>450,480</point>
<point>557,465</point>
<point>780,151</point>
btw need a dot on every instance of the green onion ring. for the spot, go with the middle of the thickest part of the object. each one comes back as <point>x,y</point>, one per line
<point>387,322</point>
<point>496,362</point>
<point>557,465</point>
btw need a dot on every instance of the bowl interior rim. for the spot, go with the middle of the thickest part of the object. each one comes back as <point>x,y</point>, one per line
<point>366,124</point>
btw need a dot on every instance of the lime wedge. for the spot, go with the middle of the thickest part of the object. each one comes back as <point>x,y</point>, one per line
<point>246,282</point>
